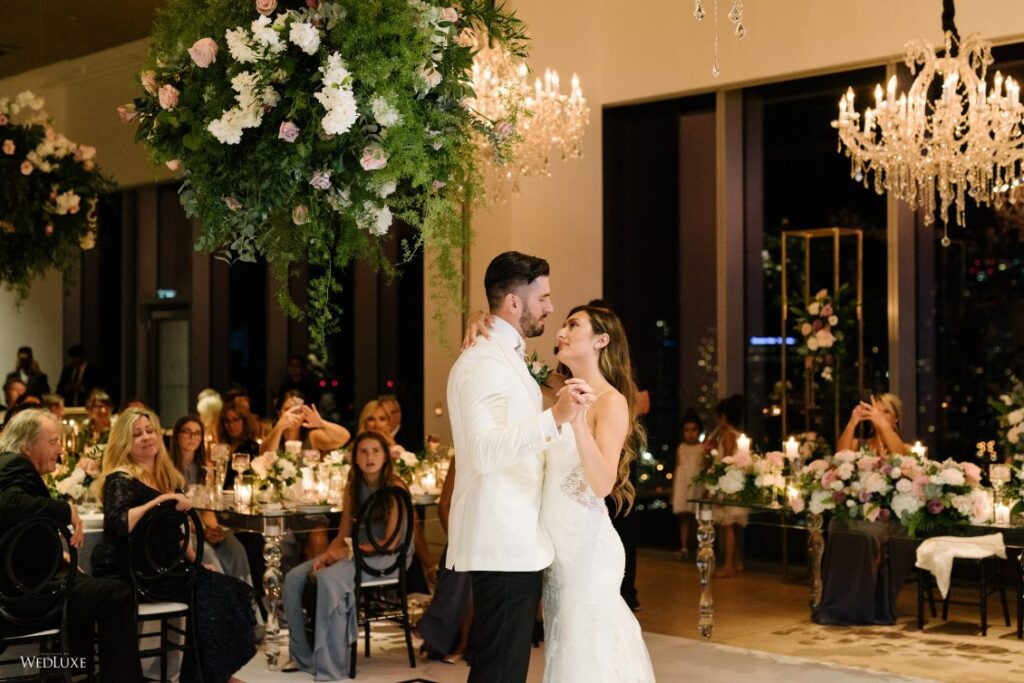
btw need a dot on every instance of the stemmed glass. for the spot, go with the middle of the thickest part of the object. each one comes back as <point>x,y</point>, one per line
<point>219,454</point>
<point>240,463</point>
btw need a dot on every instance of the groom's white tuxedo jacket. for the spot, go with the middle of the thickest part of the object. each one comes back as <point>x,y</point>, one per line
<point>500,435</point>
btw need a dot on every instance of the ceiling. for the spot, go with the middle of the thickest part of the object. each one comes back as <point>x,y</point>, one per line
<point>41,32</point>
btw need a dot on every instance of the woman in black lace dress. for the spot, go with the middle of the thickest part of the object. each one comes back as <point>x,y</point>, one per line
<point>137,476</point>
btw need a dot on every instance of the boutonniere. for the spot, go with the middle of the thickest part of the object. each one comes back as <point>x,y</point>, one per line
<point>538,370</point>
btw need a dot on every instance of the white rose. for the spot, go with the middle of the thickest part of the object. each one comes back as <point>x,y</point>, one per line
<point>895,473</point>
<point>833,320</point>
<point>953,476</point>
<point>430,76</point>
<point>812,343</point>
<point>288,470</point>
<point>305,36</point>
<point>1016,416</point>
<point>814,308</point>
<point>904,486</point>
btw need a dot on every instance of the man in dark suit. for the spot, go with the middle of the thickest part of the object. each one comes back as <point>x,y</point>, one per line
<point>78,377</point>
<point>28,372</point>
<point>29,447</point>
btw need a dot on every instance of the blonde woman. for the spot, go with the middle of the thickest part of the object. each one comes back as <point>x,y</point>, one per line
<point>883,413</point>
<point>137,476</point>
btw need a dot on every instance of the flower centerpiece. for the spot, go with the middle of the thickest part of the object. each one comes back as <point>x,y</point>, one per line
<point>303,129</point>
<point>921,493</point>
<point>276,471</point>
<point>1010,409</point>
<point>820,334</point>
<point>744,477</point>
<point>72,478</point>
<point>49,188</point>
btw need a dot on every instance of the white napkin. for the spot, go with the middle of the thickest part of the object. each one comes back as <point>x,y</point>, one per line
<point>936,554</point>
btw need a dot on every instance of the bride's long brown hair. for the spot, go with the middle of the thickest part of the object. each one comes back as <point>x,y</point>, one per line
<point>616,366</point>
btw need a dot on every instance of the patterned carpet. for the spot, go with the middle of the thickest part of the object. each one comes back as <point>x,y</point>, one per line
<point>675,659</point>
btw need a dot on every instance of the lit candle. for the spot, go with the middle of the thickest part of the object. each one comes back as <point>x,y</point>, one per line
<point>918,450</point>
<point>429,482</point>
<point>792,448</point>
<point>792,493</point>
<point>308,484</point>
<point>743,444</point>
<point>243,495</point>
<point>705,513</point>
<point>1002,513</point>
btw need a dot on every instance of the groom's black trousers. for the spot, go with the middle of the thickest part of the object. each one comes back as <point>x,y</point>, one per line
<point>505,608</point>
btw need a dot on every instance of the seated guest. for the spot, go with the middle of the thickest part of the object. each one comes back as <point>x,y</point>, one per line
<point>374,418</point>
<point>239,429</point>
<point>300,421</point>
<point>13,389</point>
<point>187,454</point>
<point>334,571</point>
<point>78,378</point>
<point>883,414</point>
<point>137,476</point>
<point>55,404</point>
<point>26,368</point>
<point>29,448</point>
<point>394,411</point>
<point>445,626</point>
<point>96,427</point>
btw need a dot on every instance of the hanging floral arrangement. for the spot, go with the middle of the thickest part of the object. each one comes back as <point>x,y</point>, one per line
<point>821,336</point>
<point>49,187</point>
<point>303,130</point>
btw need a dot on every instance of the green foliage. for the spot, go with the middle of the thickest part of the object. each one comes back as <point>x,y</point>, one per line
<point>315,197</point>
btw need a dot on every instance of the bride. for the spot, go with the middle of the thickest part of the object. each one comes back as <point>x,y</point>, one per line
<point>591,634</point>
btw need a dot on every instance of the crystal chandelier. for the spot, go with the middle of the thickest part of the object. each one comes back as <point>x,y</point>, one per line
<point>551,123</point>
<point>735,16</point>
<point>934,151</point>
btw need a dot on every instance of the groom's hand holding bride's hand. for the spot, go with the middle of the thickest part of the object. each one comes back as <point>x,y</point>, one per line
<point>573,399</point>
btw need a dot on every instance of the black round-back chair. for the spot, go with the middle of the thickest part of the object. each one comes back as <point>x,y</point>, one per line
<point>164,579</point>
<point>380,590</point>
<point>35,585</point>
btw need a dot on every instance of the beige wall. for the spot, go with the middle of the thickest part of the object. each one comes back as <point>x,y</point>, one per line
<point>623,52</point>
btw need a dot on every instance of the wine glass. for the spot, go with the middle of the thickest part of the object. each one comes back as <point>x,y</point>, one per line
<point>240,463</point>
<point>220,454</point>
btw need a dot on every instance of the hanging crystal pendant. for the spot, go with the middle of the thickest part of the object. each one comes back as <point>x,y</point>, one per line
<point>736,13</point>
<point>740,31</point>
<point>698,11</point>
<point>715,71</point>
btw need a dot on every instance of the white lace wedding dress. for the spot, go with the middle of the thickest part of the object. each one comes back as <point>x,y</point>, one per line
<point>590,635</point>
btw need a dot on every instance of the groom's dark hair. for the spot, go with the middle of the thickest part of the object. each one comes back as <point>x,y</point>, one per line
<point>509,271</point>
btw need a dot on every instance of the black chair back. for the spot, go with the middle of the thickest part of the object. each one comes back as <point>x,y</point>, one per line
<point>158,553</point>
<point>382,505</point>
<point>35,583</point>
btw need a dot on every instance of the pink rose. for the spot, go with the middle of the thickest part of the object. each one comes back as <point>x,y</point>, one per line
<point>312,4</point>
<point>450,14</point>
<point>822,293</point>
<point>126,113</point>
<point>149,83</point>
<point>168,96</point>
<point>266,7</point>
<point>806,329</point>
<point>288,131</point>
<point>972,472</point>
<point>321,180</point>
<point>797,504</point>
<point>88,165</point>
<point>51,134</point>
<point>3,120</point>
<point>826,310</point>
<point>504,129</point>
<point>8,147</point>
<point>26,168</point>
<point>49,230</point>
<point>173,164</point>
<point>85,153</point>
<point>430,76</point>
<point>203,52</point>
<point>373,158</point>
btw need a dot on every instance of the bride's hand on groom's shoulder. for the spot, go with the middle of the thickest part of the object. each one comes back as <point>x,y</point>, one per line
<point>477,324</point>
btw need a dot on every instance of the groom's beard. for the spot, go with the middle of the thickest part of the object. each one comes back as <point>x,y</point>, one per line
<point>531,326</point>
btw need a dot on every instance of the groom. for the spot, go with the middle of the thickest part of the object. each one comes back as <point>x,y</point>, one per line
<point>500,434</point>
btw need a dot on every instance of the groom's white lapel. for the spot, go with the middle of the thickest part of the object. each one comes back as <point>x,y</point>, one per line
<point>514,349</point>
